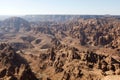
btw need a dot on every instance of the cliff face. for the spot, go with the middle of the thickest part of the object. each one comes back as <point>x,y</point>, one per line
<point>13,66</point>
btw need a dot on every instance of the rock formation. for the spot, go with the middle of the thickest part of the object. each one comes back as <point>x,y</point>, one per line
<point>60,47</point>
<point>13,66</point>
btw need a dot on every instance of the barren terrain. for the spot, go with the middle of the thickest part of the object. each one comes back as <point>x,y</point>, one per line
<point>60,48</point>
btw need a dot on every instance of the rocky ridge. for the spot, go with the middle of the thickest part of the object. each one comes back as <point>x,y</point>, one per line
<point>13,66</point>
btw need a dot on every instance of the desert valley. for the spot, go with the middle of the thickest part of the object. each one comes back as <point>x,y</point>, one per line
<point>60,47</point>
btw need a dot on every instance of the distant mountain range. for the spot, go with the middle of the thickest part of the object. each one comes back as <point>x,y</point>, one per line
<point>14,24</point>
<point>57,18</point>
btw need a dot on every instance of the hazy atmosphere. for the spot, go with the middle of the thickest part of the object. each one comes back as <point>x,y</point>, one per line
<point>24,7</point>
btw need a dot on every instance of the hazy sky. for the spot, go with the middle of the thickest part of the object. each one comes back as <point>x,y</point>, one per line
<point>23,7</point>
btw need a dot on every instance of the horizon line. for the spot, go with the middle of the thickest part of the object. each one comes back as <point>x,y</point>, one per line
<point>59,14</point>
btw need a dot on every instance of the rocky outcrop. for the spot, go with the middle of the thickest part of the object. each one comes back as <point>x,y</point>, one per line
<point>75,65</point>
<point>25,73</point>
<point>13,66</point>
<point>95,32</point>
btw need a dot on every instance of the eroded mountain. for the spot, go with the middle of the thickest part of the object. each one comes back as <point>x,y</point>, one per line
<point>13,66</point>
<point>78,48</point>
<point>14,24</point>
